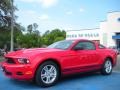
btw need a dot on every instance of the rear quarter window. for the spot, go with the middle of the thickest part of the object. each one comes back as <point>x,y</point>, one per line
<point>101,46</point>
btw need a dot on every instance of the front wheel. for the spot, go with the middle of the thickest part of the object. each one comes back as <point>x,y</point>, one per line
<point>47,74</point>
<point>107,67</point>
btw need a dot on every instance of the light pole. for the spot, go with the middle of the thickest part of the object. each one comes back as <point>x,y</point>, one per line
<point>12,27</point>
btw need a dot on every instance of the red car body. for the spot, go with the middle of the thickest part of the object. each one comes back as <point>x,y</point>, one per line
<point>69,61</point>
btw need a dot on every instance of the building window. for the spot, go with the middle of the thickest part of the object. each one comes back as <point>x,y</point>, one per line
<point>69,36</point>
<point>81,35</point>
<point>75,35</point>
<point>91,35</point>
<point>97,35</point>
<point>85,35</point>
<point>88,35</point>
<point>72,36</point>
<point>94,35</point>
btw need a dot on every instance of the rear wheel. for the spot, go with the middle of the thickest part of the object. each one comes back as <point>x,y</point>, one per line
<point>107,67</point>
<point>47,74</point>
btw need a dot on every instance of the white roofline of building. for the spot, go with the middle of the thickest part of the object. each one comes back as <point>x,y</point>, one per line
<point>110,13</point>
<point>113,12</point>
<point>83,29</point>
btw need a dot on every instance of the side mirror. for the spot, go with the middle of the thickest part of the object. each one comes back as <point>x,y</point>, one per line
<point>78,48</point>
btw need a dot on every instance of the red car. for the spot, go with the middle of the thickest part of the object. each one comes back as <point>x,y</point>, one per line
<point>47,65</point>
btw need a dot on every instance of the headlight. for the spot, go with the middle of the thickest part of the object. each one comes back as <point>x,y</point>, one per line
<point>23,61</point>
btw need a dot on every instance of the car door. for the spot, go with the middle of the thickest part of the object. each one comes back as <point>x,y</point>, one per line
<point>86,54</point>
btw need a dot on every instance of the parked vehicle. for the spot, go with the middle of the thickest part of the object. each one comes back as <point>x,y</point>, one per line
<point>47,65</point>
<point>2,52</point>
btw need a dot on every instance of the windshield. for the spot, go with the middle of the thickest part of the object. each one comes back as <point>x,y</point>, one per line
<point>62,44</point>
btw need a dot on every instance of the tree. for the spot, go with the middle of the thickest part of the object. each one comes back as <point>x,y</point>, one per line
<point>5,12</point>
<point>50,37</point>
<point>30,28</point>
<point>5,35</point>
<point>35,26</point>
<point>59,39</point>
<point>32,38</point>
<point>5,22</point>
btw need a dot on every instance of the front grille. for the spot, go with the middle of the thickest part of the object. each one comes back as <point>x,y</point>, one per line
<point>10,61</point>
<point>19,73</point>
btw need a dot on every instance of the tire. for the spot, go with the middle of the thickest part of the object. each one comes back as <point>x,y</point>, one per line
<point>47,74</point>
<point>107,67</point>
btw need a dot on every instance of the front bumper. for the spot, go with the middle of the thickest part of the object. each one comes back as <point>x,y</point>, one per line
<point>15,71</point>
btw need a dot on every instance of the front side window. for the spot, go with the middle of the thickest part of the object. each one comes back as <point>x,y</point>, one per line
<point>86,45</point>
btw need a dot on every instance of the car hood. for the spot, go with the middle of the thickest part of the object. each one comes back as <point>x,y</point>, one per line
<point>31,52</point>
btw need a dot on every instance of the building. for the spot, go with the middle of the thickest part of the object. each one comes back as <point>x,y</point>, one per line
<point>91,34</point>
<point>107,34</point>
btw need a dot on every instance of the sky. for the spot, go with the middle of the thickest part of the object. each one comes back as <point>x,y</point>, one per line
<point>64,14</point>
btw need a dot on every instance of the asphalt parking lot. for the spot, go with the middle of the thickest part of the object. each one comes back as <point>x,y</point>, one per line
<point>89,81</point>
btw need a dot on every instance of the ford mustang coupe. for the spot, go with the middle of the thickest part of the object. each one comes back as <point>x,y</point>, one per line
<point>46,65</point>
